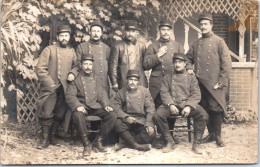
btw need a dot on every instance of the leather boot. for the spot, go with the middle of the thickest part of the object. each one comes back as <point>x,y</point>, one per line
<point>219,141</point>
<point>120,145</point>
<point>209,138</point>
<point>86,145</point>
<point>45,134</point>
<point>98,144</point>
<point>170,146</point>
<point>129,140</point>
<point>55,125</point>
<point>196,144</point>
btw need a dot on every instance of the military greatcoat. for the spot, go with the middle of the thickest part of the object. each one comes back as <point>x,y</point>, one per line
<point>160,66</point>
<point>212,64</point>
<point>54,65</point>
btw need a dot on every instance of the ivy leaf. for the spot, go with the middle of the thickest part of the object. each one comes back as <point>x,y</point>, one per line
<point>47,14</point>
<point>46,28</point>
<point>72,21</point>
<point>33,10</point>
<point>78,39</point>
<point>113,25</point>
<point>86,38</point>
<point>67,5</point>
<point>118,38</point>
<point>155,4</point>
<point>79,26</point>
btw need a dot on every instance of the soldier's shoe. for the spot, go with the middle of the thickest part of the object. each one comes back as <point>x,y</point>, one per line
<point>86,151</point>
<point>170,146</point>
<point>98,146</point>
<point>196,148</point>
<point>44,144</point>
<point>142,147</point>
<point>120,145</point>
<point>211,137</point>
<point>53,140</point>
<point>219,141</point>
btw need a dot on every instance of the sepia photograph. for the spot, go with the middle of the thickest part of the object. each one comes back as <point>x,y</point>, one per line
<point>129,82</point>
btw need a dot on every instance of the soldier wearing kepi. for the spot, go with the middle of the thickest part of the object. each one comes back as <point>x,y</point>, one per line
<point>125,55</point>
<point>158,57</point>
<point>99,50</point>
<point>180,95</point>
<point>212,66</point>
<point>86,96</point>
<point>135,108</point>
<point>53,70</point>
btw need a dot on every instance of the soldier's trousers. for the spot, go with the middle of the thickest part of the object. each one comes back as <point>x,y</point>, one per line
<point>214,110</point>
<point>108,121</point>
<point>137,130</point>
<point>161,116</point>
<point>54,107</point>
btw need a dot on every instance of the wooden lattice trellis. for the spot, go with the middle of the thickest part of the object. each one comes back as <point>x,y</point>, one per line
<point>173,9</point>
<point>26,106</point>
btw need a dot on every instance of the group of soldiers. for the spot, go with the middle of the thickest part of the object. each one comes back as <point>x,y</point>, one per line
<point>77,83</point>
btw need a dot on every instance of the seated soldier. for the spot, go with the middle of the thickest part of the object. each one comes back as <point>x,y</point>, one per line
<point>85,96</point>
<point>180,95</point>
<point>135,108</point>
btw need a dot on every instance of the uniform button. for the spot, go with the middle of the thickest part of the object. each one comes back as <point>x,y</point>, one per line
<point>94,92</point>
<point>100,52</point>
<point>90,46</point>
<point>85,92</point>
<point>183,97</point>
<point>162,60</point>
<point>208,57</point>
<point>208,51</point>
<point>209,44</point>
<point>198,70</point>
<point>128,103</point>
<point>139,97</point>
<point>207,63</point>
<point>89,51</point>
<point>101,58</point>
<point>207,70</point>
<point>172,86</point>
<point>83,82</point>
<point>100,71</point>
<point>174,98</point>
<point>127,97</point>
<point>198,57</point>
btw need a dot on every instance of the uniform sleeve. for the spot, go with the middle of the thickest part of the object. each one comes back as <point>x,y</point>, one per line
<point>71,96</point>
<point>42,68</point>
<point>165,91</point>
<point>225,63</point>
<point>195,94</point>
<point>151,58</point>
<point>113,64</point>
<point>149,108</point>
<point>76,68</point>
<point>118,103</point>
<point>102,94</point>
<point>190,57</point>
<point>75,65</point>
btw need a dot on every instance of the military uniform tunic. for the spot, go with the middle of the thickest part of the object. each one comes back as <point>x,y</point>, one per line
<point>101,53</point>
<point>160,66</point>
<point>54,65</point>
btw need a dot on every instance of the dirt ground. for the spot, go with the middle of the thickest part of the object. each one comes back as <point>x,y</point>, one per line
<point>241,142</point>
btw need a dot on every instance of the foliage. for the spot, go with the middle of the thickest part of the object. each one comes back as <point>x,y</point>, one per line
<point>24,22</point>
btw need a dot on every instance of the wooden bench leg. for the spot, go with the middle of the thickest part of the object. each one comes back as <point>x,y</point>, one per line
<point>189,128</point>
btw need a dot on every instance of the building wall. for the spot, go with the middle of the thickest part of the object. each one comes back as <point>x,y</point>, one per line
<point>243,86</point>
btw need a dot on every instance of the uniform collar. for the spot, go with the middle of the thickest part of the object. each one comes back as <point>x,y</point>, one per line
<point>128,42</point>
<point>94,42</point>
<point>164,40</point>
<point>208,35</point>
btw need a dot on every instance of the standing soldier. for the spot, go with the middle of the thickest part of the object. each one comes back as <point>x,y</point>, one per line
<point>86,96</point>
<point>212,65</point>
<point>158,57</point>
<point>135,108</point>
<point>125,55</point>
<point>53,70</point>
<point>180,95</point>
<point>99,50</point>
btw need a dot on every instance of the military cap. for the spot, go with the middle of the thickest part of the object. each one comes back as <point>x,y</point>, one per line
<point>205,16</point>
<point>165,23</point>
<point>87,56</point>
<point>64,28</point>
<point>96,23</point>
<point>131,24</point>
<point>133,73</point>
<point>180,56</point>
